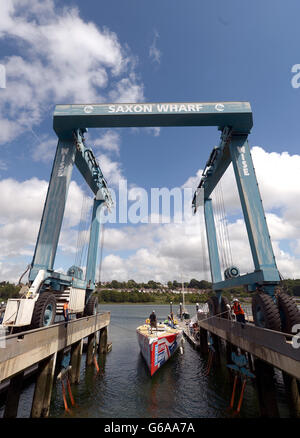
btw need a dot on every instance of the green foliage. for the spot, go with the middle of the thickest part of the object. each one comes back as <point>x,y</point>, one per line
<point>134,296</point>
<point>292,287</point>
<point>8,290</point>
<point>195,284</point>
<point>114,296</point>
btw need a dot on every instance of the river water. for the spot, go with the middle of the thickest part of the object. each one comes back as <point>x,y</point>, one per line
<point>124,388</point>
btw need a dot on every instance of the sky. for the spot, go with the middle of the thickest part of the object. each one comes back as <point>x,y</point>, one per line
<point>56,52</point>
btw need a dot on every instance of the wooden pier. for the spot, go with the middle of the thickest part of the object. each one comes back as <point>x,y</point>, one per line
<point>274,348</point>
<point>44,348</point>
<point>265,349</point>
<point>184,325</point>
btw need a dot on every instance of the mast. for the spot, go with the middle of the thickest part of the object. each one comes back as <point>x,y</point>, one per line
<point>182,288</point>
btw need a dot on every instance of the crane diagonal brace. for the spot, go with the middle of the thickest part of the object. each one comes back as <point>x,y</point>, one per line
<point>215,167</point>
<point>90,169</point>
<point>234,148</point>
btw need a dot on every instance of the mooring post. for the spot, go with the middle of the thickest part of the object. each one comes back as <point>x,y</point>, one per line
<point>90,348</point>
<point>43,387</point>
<point>216,344</point>
<point>13,396</point>
<point>250,362</point>
<point>59,359</point>
<point>203,341</point>
<point>292,392</point>
<point>76,353</point>
<point>229,349</point>
<point>102,347</point>
<point>266,389</point>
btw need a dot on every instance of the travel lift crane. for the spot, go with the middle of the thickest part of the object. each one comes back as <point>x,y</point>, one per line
<point>271,308</point>
<point>234,120</point>
<point>49,290</point>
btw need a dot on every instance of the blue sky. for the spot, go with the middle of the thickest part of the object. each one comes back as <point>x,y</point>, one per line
<point>156,51</point>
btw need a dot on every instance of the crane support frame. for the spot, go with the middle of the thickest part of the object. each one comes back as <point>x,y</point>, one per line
<point>70,122</point>
<point>234,148</point>
<point>238,115</point>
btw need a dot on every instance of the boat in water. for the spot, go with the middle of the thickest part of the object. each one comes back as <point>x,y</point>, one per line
<point>157,347</point>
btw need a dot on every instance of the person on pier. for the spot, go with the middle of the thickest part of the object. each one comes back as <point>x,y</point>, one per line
<point>66,312</point>
<point>238,311</point>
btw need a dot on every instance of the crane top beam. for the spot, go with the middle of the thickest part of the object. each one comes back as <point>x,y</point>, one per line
<point>236,115</point>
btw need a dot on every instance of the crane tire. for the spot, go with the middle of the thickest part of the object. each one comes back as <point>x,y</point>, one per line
<point>265,312</point>
<point>92,306</point>
<point>225,312</point>
<point>212,303</point>
<point>289,312</point>
<point>44,311</point>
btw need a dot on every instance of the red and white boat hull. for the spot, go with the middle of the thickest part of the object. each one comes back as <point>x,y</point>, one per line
<point>157,350</point>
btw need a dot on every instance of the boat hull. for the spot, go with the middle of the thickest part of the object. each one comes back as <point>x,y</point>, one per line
<point>157,350</point>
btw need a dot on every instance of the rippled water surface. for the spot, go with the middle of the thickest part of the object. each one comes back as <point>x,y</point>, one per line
<point>124,388</point>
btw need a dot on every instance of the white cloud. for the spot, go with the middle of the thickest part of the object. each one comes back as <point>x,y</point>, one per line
<point>157,251</point>
<point>44,149</point>
<point>112,170</point>
<point>58,64</point>
<point>127,90</point>
<point>155,131</point>
<point>154,52</point>
<point>165,251</point>
<point>109,141</point>
<point>21,206</point>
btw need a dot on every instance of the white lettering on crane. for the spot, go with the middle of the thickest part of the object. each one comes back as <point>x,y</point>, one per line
<point>160,108</point>
<point>88,109</point>
<point>242,151</point>
<point>62,166</point>
<point>219,107</point>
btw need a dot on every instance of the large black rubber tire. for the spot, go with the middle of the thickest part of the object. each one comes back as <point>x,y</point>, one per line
<point>212,303</point>
<point>224,309</point>
<point>289,312</point>
<point>265,312</point>
<point>91,307</point>
<point>43,301</point>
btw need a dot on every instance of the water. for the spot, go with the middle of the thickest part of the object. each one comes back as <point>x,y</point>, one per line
<point>124,388</point>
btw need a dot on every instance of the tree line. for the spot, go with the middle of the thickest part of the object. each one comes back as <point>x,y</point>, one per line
<point>131,284</point>
<point>134,296</point>
<point>8,290</point>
